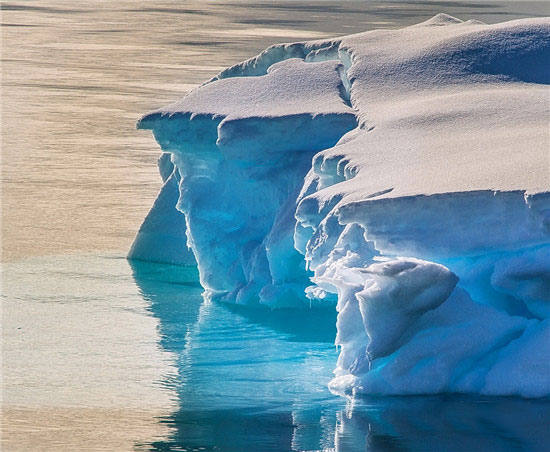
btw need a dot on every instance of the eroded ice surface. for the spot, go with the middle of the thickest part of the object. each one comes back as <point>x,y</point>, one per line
<point>402,175</point>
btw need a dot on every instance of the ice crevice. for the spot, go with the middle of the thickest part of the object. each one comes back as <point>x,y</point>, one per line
<point>400,176</point>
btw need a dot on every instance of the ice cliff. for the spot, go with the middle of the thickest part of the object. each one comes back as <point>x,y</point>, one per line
<point>402,175</point>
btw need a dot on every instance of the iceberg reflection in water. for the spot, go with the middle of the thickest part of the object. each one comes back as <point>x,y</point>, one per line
<point>79,338</point>
<point>257,380</point>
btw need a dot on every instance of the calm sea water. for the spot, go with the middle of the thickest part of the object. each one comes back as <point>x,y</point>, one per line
<point>104,355</point>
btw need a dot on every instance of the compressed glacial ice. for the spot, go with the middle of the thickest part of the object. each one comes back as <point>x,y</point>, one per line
<point>401,176</point>
<point>162,235</point>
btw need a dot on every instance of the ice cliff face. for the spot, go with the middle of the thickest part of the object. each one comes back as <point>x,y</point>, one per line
<point>242,147</point>
<point>401,174</point>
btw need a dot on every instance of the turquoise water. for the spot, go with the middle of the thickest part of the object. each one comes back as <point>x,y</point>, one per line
<point>98,331</point>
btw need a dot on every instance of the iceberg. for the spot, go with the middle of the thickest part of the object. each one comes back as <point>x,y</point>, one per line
<point>401,176</point>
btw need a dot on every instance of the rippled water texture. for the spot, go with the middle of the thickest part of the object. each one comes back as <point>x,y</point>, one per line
<point>103,355</point>
<point>78,74</point>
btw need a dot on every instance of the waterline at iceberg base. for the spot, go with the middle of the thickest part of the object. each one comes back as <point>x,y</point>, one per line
<point>398,176</point>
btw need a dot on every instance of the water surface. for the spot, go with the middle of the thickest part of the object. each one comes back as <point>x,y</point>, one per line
<point>101,355</point>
